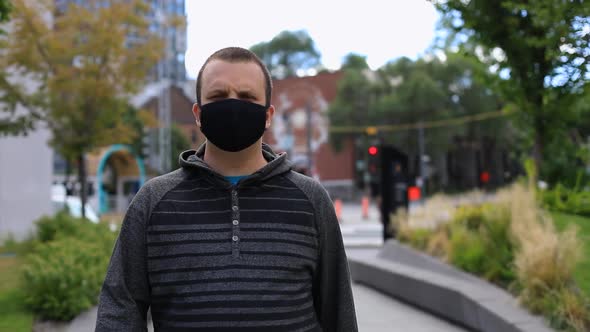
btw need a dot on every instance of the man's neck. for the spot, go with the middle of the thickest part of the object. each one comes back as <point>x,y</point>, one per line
<point>244,162</point>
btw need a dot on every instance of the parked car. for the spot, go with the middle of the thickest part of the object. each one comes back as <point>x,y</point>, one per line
<point>72,204</point>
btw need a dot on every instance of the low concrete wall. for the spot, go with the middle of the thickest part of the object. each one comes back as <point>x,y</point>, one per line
<point>440,289</point>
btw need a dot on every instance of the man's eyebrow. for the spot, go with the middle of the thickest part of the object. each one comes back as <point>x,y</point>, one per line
<point>247,93</point>
<point>218,91</point>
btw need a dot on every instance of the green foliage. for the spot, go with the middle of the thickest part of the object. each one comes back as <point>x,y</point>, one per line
<point>409,92</point>
<point>480,242</point>
<point>470,217</point>
<point>11,246</point>
<point>48,228</point>
<point>288,52</point>
<point>563,199</point>
<point>14,315</point>
<point>540,47</point>
<point>500,246</point>
<point>135,120</point>
<point>564,308</point>
<point>582,272</point>
<point>4,12</point>
<point>489,240</point>
<point>417,238</point>
<point>567,162</point>
<point>354,61</point>
<point>64,273</point>
<point>467,251</point>
<point>180,143</point>
<point>351,105</point>
<point>63,277</point>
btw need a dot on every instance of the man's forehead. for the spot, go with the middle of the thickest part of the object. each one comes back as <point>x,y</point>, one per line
<point>244,72</point>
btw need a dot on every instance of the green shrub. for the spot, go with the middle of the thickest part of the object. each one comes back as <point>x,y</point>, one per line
<point>499,245</point>
<point>418,238</point>
<point>564,307</point>
<point>574,200</point>
<point>20,248</point>
<point>63,278</point>
<point>63,275</point>
<point>480,242</point>
<point>62,223</point>
<point>512,243</point>
<point>471,217</point>
<point>467,250</point>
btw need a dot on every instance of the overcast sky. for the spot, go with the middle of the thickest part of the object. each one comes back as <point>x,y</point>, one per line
<point>380,30</point>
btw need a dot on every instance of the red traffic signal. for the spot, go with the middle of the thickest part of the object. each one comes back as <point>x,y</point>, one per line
<point>373,150</point>
<point>414,194</point>
<point>484,177</point>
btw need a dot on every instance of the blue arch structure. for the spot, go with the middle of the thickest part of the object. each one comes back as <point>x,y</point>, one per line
<point>102,197</point>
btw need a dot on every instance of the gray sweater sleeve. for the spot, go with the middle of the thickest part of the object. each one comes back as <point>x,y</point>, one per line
<point>125,294</point>
<point>333,300</point>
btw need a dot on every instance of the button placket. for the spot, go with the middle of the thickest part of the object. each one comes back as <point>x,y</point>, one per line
<point>235,216</point>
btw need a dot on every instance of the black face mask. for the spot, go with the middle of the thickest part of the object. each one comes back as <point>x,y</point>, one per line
<point>233,124</point>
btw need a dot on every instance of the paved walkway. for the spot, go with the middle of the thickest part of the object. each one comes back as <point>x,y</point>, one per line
<point>380,313</point>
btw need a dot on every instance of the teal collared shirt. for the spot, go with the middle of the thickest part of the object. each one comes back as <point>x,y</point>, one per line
<point>234,179</point>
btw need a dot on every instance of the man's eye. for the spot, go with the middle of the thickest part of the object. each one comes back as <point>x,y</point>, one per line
<point>248,97</point>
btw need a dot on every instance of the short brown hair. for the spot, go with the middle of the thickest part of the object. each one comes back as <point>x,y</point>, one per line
<point>236,54</point>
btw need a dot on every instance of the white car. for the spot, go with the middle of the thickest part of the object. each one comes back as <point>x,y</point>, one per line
<point>72,204</point>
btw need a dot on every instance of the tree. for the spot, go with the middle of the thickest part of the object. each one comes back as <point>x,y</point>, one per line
<point>138,121</point>
<point>351,105</point>
<point>287,53</point>
<point>4,10</point>
<point>180,143</point>
<point>354,61</point>
<point>406,92</point>
<point>543,46</point>
<point>79,67</point>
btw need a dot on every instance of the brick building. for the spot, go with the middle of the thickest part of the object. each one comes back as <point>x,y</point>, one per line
<point>293,99</point>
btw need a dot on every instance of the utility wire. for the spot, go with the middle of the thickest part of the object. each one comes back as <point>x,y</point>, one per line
<point>430,124</point>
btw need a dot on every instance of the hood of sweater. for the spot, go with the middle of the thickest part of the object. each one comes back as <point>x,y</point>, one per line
<point>277,165</point>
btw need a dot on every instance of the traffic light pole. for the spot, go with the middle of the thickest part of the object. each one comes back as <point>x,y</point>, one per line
<point>366,174</point>
<point>309,136</point>
<point>421,159</point>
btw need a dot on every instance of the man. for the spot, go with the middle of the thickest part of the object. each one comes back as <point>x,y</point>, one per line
<point>234,240</point>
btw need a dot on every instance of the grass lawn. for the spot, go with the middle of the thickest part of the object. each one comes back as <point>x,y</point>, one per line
<point>582,273</point>
<point>13,316</point>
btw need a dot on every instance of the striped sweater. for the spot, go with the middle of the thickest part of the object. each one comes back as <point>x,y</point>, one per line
<point>265,254</point>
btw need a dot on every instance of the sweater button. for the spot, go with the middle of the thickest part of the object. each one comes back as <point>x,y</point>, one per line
<point>235,238</point>
<point>235,222</point>
<point>235,208</point>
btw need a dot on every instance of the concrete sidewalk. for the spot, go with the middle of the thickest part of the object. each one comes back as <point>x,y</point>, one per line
<point>377,312</point>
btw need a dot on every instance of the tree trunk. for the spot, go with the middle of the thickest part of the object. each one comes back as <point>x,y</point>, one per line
<point>82,179</point>
<point>538,151</point>
<point>66,182</point>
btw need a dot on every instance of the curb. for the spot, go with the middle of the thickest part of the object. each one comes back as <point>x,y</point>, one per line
<point>440,289</point>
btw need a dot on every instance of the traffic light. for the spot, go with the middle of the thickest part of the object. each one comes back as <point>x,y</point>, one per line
<point>373,150</point>
<point>373,169</point>
<point>373,165</point>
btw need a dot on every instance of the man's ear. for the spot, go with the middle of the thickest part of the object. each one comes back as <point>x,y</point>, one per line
<point>197,114</point>
<point>269,114</point>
